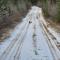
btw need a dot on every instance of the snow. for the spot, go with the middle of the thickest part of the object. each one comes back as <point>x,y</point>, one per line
<point>17,31</point>
<point>55,34</point>
<point>27,41</point>
<point>42,49</point>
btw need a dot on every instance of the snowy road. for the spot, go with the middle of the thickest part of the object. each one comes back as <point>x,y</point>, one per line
<point>28,41</point>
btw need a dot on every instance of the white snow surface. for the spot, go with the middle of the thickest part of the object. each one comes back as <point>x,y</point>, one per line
<point>55,34</point>
<point>28,40</point>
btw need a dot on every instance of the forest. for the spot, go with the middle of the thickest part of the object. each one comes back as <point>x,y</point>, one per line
<point>12,11</point>
<point>8,8</point>
<point>29,29</point>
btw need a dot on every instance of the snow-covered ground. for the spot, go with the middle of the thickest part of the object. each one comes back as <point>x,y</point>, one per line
<point>28,40</point>
<point>55,33</point>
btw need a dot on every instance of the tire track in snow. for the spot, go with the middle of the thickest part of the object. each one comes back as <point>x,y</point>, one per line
<point>27,45</point>
<point>13,39</point>
<point>41,40</point>
<point>13,55</point>
<point>53,48</point>
<point>34,41</point>
<point>9,48</point>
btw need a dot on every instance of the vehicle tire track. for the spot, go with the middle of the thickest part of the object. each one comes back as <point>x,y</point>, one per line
<point>11,45</point>
<point>34,41</point>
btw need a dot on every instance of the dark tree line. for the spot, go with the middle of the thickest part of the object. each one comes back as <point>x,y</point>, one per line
<point>5,8</point>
